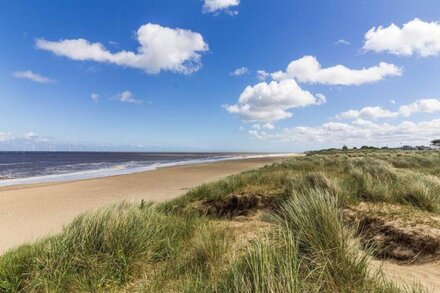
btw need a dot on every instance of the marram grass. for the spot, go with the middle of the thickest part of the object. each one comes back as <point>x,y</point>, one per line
<point>170,247</point>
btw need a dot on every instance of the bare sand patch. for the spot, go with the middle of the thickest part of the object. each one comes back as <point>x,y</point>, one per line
<point>406,241</point>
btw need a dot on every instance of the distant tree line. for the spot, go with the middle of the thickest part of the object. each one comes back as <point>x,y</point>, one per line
<point>434,143</point>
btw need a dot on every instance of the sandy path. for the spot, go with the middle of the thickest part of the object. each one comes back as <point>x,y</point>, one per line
<point>427,275</point>
<point>29,212</point>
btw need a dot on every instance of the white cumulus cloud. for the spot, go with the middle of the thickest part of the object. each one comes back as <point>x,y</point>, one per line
<point>374,113</point>
<point>217,5</point>
<point>272,101</point>
<point>160,48</point>
<point>357,132</point>
<point>420,106</point>
<point>32,76</point>
<point>414,37</point>
<point>371,113</point>
<point>308,70</point>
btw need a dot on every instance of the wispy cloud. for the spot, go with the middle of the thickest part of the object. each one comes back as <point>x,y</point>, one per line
<point>212,6</point>
<point>28,137</point>
<point>32,76</point>
<point>239,71</point>
<point>262,75</point>
<point>268,126</point>
<point>127,97</point>
<point>342,42</point>
<point>5,136</point>
<point>94,97</point>
<point>35,142</point>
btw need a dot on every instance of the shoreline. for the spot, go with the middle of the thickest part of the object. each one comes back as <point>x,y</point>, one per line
<point>33,211</point>
<point>110,172</point>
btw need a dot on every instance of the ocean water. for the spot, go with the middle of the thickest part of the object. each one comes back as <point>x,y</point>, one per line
<point>35,167</point>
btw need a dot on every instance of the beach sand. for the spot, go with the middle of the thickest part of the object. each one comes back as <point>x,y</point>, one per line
<point>30,212</point>
<point>427,275</point>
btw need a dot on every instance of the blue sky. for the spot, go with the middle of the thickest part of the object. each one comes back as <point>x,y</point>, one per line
<point>162,77</point>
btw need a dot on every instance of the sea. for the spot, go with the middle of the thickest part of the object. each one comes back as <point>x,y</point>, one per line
<point>37,167</point>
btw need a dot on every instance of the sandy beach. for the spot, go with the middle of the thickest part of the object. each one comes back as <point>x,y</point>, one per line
<point>30,212</point>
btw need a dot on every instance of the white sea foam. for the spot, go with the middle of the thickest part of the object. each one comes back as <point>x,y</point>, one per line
<point>121,170</point>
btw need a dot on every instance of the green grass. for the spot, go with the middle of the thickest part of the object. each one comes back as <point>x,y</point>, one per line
<point>303,244</point>
<point>309,251</point>
<point>105,249</point>
<point>361,176</point>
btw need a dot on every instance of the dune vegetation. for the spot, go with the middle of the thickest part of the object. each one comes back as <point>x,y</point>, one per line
<point>309,224</point>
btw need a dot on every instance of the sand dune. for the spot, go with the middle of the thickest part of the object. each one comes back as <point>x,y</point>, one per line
<point>29,212</point>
